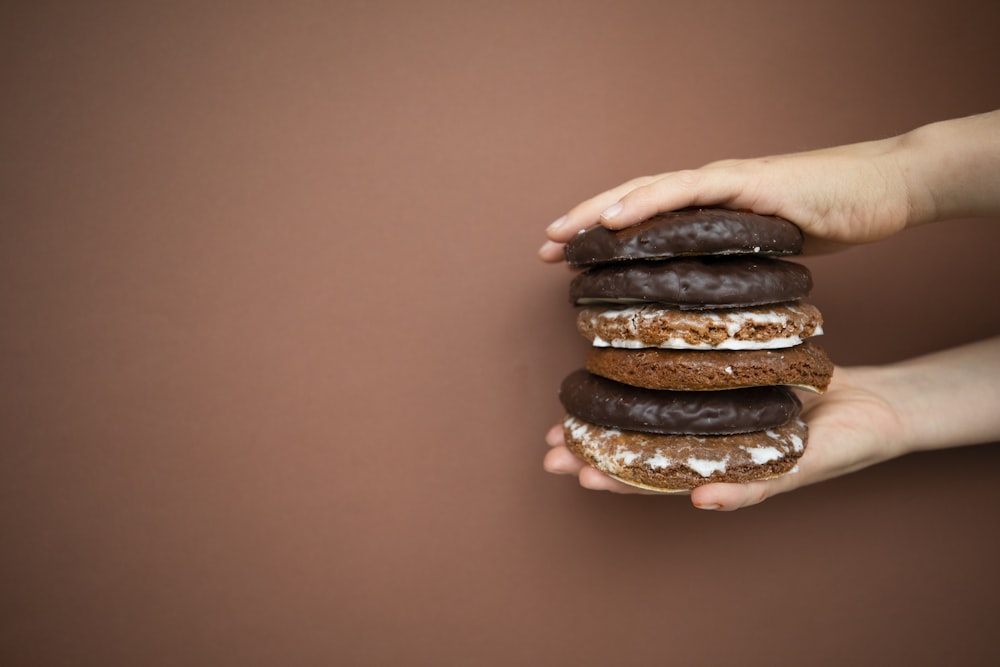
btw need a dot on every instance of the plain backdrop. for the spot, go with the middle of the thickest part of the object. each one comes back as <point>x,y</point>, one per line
<point>278,356</point>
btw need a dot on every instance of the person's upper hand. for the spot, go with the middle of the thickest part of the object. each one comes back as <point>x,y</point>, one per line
<point>838,196</point>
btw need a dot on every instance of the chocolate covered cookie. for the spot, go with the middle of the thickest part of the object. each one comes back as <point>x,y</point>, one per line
<point>694,282</point>
<point>703,231</point>
<point>806,366</point>
<point>674,463</point>
<point>614,405</point>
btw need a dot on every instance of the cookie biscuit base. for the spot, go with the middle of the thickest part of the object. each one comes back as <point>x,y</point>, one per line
<point>806,366</point>
<point>677,463</point>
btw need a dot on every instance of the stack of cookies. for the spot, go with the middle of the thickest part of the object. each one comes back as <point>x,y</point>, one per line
<point>698,332</point>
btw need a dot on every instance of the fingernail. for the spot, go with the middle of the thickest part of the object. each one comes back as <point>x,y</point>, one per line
<point>556,225</point>
<point>612,210</point>
<point>708,507</point>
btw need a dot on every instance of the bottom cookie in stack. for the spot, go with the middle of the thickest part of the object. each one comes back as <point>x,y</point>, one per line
<point>713,404</point>
<point>666,440</point>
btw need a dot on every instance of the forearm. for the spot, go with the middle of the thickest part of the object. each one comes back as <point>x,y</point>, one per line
<point>948,398</point>
<point>952,168</point>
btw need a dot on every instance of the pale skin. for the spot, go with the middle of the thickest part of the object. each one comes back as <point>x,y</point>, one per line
<point>840,197</point>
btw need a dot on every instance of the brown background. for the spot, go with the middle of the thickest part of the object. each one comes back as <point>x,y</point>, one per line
<point>278,356</point>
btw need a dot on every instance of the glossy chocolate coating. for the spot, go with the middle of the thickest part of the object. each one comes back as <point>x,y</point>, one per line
<point>703,231</point>
<point>695,282</point>
<point>607,403</point>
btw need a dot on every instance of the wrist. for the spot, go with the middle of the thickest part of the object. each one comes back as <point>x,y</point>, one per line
<point>950,168</point>
<point>904,392</point>
<point>944,399</point>
<point>911,154</point>
<point>891,397</point>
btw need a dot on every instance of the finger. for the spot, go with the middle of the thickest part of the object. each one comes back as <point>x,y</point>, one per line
<point>555,436</point>
<point>561,461</point>
<point>593,479</point>
<point>588,213</point>
<point>551,252</point>
<point>728,497</point>
<point>673,191</point>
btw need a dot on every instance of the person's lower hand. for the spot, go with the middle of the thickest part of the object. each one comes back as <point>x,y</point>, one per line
<point>851,426</point>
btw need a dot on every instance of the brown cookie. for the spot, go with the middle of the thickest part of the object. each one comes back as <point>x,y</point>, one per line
<point>602,401</point>
<point>806,366</point>
<point>675,463</point>
<point>694,282</point>
<point>760,328</point>
<point>701,231</point>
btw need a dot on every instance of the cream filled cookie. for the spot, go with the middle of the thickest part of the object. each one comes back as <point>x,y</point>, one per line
<point>676,463</point>
<point>653,325</point>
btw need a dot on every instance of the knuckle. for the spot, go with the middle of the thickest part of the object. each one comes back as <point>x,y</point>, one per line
<point>688,178</point>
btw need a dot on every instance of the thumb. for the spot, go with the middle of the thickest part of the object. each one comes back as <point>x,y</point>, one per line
<point>727,496</point>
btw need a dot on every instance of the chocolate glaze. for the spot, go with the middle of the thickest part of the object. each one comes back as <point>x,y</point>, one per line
<point>607,403</point>
<point>695,282</point>
<point>703,231</point>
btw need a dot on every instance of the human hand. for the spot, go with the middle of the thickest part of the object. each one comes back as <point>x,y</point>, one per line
<point>851,426</point>
<point>837,196</point>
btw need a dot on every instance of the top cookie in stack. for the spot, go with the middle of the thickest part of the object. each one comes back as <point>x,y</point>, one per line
<point>697,331</point>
